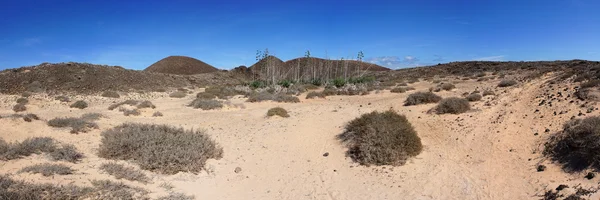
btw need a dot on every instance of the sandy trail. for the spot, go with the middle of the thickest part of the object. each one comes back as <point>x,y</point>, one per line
<point>490,152</point>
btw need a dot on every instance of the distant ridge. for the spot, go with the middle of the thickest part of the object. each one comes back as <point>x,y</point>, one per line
<point>182,65</point>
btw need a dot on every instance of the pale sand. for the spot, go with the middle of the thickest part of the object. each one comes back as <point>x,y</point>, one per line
<point>482,154</point>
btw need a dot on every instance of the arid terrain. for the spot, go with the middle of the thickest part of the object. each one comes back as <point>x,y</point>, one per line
<point>492,151</point>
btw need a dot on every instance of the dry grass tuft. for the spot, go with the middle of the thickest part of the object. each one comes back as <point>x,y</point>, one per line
<point>278,111</point>
<point>205,95</point>
<point>120,171</point>
<point>398,90</point>
<point>48,169</point>
<point>126,102</point>
<point>36,146</point>
<point>453,105</point>
<point>159,148</point>
<point>421,98</point>
<point>111,94</point>
<point>146,104</point>
<point>385,138</point>
<point>266,96</point>
<point>206,104</point>
<point>157,114</point>
<point>77,125</point>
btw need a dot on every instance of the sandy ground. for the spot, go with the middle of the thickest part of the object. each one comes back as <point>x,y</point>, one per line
<point>490,152</point>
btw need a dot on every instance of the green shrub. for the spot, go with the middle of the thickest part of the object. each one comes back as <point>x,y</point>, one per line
<point>257,84</point>
<point>317,82</point>
<point>507,83</point>
<point>48,169</point>
<point>398,90</point>
<point>178,94</point>
<point>206,104</point>
<point>447,86</point>
<point>453,105</point>
<point>339,82</point>
<point>111,94</point>
<point>159,148</point>
<point>385,138</point>
<point>79,104</point>
<point>278,111</point>
<point>474,97</point>
<point>576,148</point>
<point>19,107</point>
<point>314,94</point>
<point>22,100</point>
<point>285,83</point>
<point>120,171</point>
<point>421,98</point>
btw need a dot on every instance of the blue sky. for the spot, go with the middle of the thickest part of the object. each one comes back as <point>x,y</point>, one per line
<point>226,34</point>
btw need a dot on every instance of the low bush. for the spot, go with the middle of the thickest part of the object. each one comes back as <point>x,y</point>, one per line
<point>67,153</point>
<point>47,169</point>
<point>159,148</point>
<point>79,104</point>
<point>224,92</point>
<point>507,83</point>
<point>19,107</point>
<point>206,104</point>
<point>339,82</point>
<point>589,84</point>
<point>91,116</point>
<point>77,125</point>
<point>157,114</point>
<point>178,94</point>
<point>398,90</point>
<point>577,146</point>
<point>36,146</point>
<point>266,96</point>
<point>63,99</point>
<point>314,94</point>
<point>128,112</point>
<point>26,94</point>
<point>205,95</point>
<point>474,97</point>
<point>385,138</point>
<point>177,196</point>
<point>146,104</point>
<point>120,171</point>
<point>22,100</point>
<point>453,105</point>
<point>447,86</point>
<point>111,94</point>
<point>278,111</point>
<point>421,98</point>
<point>488,92</point>
<point>126,102</point>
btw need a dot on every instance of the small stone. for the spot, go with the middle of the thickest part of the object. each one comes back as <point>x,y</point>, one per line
<point>590,175</point>
<point>326,154</point>
<point>237,170</point>
<point>541,168</point>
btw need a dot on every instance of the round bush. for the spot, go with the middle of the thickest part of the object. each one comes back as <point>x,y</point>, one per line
<point>507,83</point>
<point>421,98</point>
<point>474,97</point>
<point>206,104</point>
<point>447,86</point>
<point>159,148</point>
<point>278,111</point>
<point>111,94</point>
<point>385,138</point>
<point>453,105</point>
<point>79,104</point>
<point>398,90</point>
<point>577,146</point>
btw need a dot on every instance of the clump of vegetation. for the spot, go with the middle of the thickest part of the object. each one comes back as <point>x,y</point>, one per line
<point>447,86</point>
<point>19,107</point>
<point>205,95</point>
<point>63,99</point>
<point>266,96</point>
<point>421,98</point>
<point>126,102</point>
<point>385,138</point>
<point>224,92</point>
<point>159,148</point>
<point>576,147</point>
<point>474,97</point>
<point>48,169</point>
<point>120,171</point>
<point>157,114</point>
<point>453,105</point>
<point>398,90</point>
<point>178,94</point>
<point>22,100</point>
<point>26,94</point>
<point>146,104</point>
<point>314,94</point>
<point>28,117</point>
<point>127,112</point>
<point>79,104</point>
<point>36,146</point>
<point>111,94</point>
<point>177,196</point>
<point>488,92</point>
<point>206,104</point>
<point>279,111</point>
<point>507,83</point>
<point>77,124</point>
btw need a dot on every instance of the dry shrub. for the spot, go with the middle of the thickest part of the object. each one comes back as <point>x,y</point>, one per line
<point>447,86</point>
<point>105,189</point>
<point>36,146</point>
<point>77,125</point>
<point>111,94</point>
<point>21,190</point>
<point>178,94</point>
<point>128,112</point>
<point>159,148</point>
<point>266,96</point>
<point>507,83</point>
<point>205,95</point>
<point>157,114</point>
<point>421,98</point>
<point>586,93</point>
<point>483,79</point>
<point>206,104</point>
<point>311,87</point>
<point>120,171</point>
<point>589,84</point>
<point>577,146</point>
<point>453,105</point>
<point>398,90</point>
<point>26,94</point>
<point>278,111</point>
<point>48,169</point>
<point>19,107</point>
<point>63,99</point>
<point>79,104</point>
<point>474,97</point>
<point>177,196</point>
<point>126,102</point>
<point>146,104</point>
<point>402,84</point>
<point>385,138</point>
<point>22,100</point>
<point>314,94</point>
<point>224,92</point>
<point>488,92</point>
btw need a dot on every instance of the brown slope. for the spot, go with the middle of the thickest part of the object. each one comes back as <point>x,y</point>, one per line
<point>181,65</point>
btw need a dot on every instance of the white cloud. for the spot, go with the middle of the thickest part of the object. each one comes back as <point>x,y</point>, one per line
<point>490,58</point>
